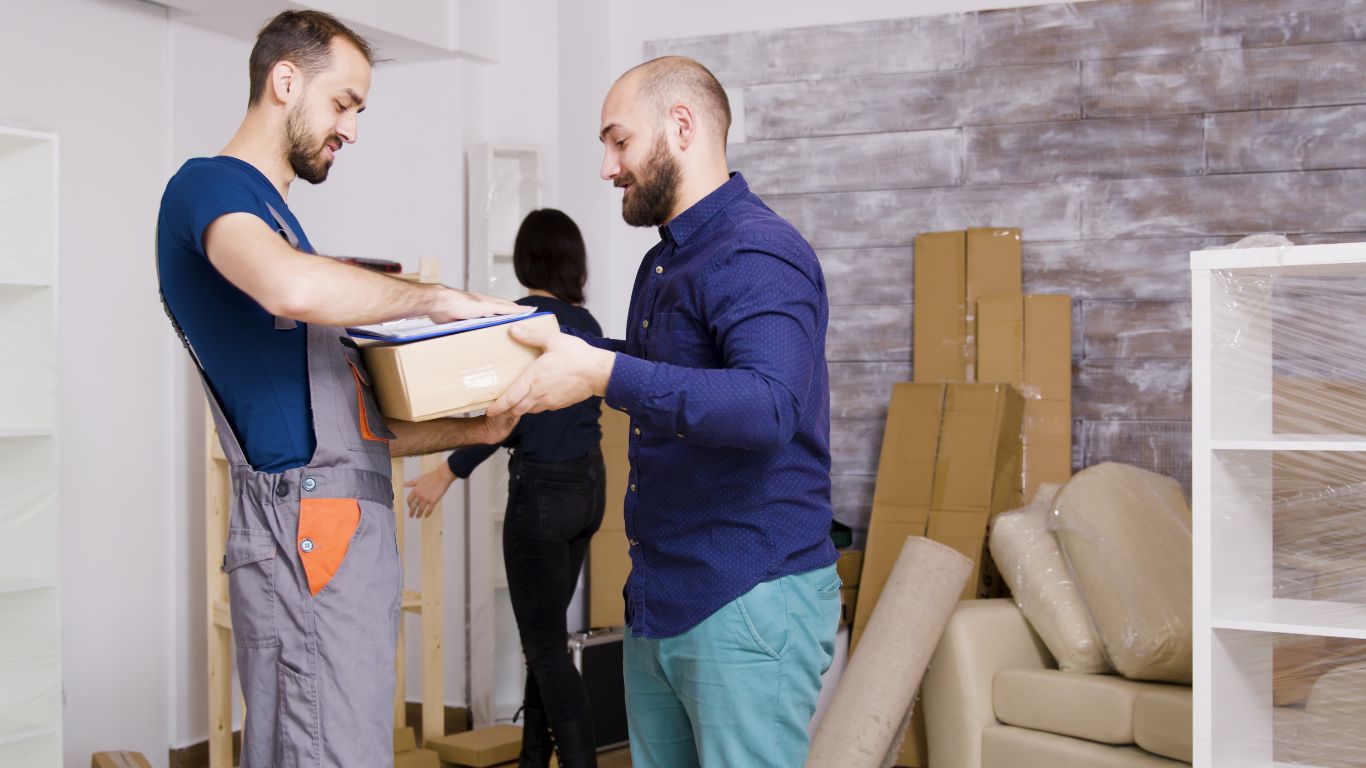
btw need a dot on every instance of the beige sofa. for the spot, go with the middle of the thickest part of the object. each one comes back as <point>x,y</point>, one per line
<point>993,698</point>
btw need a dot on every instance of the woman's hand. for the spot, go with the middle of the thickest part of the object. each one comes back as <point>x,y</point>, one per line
<point>426,491</point>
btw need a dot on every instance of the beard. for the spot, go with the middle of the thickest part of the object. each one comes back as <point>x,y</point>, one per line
<point>651,198</point>
<point>306,154</point>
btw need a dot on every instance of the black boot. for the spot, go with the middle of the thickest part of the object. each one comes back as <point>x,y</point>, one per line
<point>536,746</point>
<point>574,743</point>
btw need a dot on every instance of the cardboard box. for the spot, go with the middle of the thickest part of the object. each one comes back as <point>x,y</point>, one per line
<point>993,270</point>
<point>609,559</point>
<point>940,325</point>
<point>915,749</point>
<point>993,263</point>
<point>479,748</point>
<point>616,428</point>
<point>405,739</point>
<point>910,442</point>
<point>849,566</point>
<point>448,375</point>
<point>1001,340</point>
<point>119,760</point>
<point>1027,341</point>
<point>885,540</point>
<point>980,460</point>
<point>609,563</point>
<point>417,758</point>
<point>1048,348</point>
<point>966,533</point>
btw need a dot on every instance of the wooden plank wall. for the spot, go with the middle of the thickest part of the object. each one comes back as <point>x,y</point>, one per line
<point>1119,134</point>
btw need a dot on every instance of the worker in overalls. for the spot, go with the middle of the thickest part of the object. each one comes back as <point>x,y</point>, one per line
<point>313,568</point>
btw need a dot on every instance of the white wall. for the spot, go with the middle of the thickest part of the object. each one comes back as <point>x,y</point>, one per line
<point>94,71</point>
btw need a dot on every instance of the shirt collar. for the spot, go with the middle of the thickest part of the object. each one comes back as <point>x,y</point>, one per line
<point>686,223</point>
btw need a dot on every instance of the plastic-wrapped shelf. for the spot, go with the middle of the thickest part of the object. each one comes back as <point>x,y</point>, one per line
<point>1279,426</point>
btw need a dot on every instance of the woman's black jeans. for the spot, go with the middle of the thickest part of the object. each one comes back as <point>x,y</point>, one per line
<point>553,511</point>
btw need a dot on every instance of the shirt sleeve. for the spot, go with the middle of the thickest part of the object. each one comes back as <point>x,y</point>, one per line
<point>199,194</point>
<point>611,345</point>
<point>464,461</point>
<point>769,333</point>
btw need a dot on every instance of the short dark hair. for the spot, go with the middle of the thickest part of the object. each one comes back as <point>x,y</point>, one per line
<point>549,255</point>
<point>302,37</point>
<point>667,79</point>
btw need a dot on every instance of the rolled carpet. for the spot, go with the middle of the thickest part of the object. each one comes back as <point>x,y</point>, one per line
<point>865,721</point>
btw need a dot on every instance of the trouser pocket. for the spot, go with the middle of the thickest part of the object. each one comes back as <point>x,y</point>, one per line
<point>250,564</point>
<point>298,742</point>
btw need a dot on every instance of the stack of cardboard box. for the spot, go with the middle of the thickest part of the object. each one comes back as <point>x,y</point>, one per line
<point>609,559</point>
<point>973,324</point>
<point>950,460</point>
<point>987,419</point>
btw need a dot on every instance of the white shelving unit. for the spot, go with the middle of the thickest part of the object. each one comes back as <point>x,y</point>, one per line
<point>504,186</point>
<point>30,640</point>
<point>1242,332</point>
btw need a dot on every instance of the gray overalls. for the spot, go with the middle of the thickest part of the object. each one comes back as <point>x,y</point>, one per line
<point>314,577</point>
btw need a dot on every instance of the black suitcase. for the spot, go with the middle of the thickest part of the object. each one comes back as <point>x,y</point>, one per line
<point>597,656</point>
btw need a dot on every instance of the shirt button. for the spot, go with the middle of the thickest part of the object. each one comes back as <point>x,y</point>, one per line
<point>644,323</point>
<point>282,489</point>
<point>633,542</point>
<point>310,484</point>
<point>306,545</point>
<point>659,270</point>
<point>633,487</point>
<point>680,435</point>
<point>636,431</point>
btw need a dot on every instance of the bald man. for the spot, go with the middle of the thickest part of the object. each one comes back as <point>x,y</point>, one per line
<point>733,601</point>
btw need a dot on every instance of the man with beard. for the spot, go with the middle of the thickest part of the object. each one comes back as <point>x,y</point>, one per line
<point>313,569</point>
<point>733,600</point>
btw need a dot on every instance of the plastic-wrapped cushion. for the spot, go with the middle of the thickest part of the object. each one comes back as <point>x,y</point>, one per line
<point>1031,562</point>
<point>1334,733</point>
<point>1126,534</point>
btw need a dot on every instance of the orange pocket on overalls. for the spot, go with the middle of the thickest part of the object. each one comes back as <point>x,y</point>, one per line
<point>325,530</point>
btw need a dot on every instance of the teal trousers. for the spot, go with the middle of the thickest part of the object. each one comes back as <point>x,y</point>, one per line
<point>738,689</point>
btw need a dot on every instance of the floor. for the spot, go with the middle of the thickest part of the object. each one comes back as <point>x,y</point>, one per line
<point>617,758</point>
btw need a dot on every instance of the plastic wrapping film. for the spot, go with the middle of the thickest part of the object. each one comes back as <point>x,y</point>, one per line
<point>1288,516</point>
<point>1125,534</point>
<point>1031,562</point>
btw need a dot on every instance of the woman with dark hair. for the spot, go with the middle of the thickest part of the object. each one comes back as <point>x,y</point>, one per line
<point>555,505</point>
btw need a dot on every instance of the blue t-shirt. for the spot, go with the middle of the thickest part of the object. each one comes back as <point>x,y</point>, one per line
<point>259,374</point>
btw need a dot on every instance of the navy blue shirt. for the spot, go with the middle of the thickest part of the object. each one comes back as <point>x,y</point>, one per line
<point>563,435</point>
<point>259,374</point>
<point>723,374</point>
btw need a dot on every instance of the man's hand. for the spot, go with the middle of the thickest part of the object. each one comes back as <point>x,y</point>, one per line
<point>453,304</point>
<point>418,438</point>
<point>493,430</point>
<point>567,372</point>
<point>426,491</point>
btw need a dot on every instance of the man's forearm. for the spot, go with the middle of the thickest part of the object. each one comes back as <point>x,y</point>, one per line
<point>327,292</point>
<point>417,438</point>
